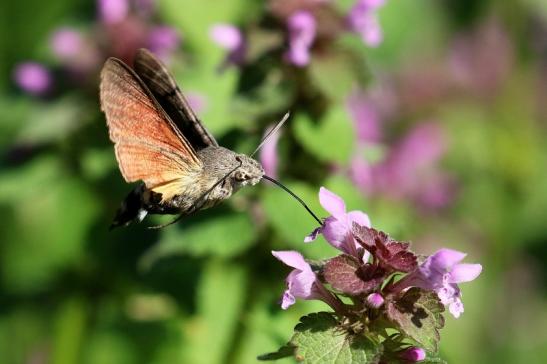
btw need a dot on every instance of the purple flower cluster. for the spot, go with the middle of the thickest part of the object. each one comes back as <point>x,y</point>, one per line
<point>377,273</point>
<point>409,166</point>
<point>305,28</point>
<point>122,27</point>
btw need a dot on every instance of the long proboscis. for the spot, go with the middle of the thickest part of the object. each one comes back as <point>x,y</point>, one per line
<point>286,189</point>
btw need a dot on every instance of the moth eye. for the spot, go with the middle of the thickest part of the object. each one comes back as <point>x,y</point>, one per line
<point>238,158</point>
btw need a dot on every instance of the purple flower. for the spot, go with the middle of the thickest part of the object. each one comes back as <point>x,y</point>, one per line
<point>268,154</point>
<point>33,78</point>
<point>112,11</point>
<point>441,272</point>
<point>362,19</point>
<point>337,228</point>
<point>411,162</point>
<point>412,354</point>
<point>230,38</point>
<point>163,40</point>
<point>66,43</point>
<point>302,27</point>
<point>366,118</point>
<point>302,282</point>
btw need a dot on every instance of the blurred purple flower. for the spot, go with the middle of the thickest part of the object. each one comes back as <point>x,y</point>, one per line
<point>66,43</point>
<point>144,7</point>
<point>362,19</point>
<point>402,174</point>
<point>441,272</point>
<point>337,228</point>
<point>230,38</point>
<point>362,173</point>
<point>302,28</point>
<point>268,153</point>
<point>480,61</point>
<point>437,191</point>
<point>302,282</point>
<point>112,11</point>
<point>413,354</point>
<point>32,77</point>
<point>365,115</point>
<point>163,41</point>
<point>197,101</point>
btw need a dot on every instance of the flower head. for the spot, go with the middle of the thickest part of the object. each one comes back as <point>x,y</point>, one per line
<point>33,78</point>
<point>337,228</point>
<point>112,11</point>
<point>163,41</point>
<point>441,272</point>
<point>302,28</point>
<point>362,19</point>
<point>66,43</point>
<point>300,281</point>
<point>230,38</point>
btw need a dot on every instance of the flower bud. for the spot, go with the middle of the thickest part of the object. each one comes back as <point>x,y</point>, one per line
<point>374,300</point>
<point>413,354</point>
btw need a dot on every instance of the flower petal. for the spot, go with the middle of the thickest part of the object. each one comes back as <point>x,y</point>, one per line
<point>335,231</point>
<point>332,203</point>
<point>445,259</point>
<point>226,36</point>
<point>359,217</point>
<point>313,235</point>
<point>292,259</point>
<point>300,283</point>
<point>287,300</point>
<point>456,308</point>
<point>464,273</point>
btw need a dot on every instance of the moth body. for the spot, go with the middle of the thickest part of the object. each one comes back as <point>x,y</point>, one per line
<point>160,141</point>
<point>224,172</point>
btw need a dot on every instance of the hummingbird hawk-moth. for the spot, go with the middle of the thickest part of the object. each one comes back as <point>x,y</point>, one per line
<point>159,140</point>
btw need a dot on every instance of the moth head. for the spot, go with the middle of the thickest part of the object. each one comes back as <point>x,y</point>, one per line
<point>250,172</point>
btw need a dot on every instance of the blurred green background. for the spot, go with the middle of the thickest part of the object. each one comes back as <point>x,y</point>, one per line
<point>438,133</point>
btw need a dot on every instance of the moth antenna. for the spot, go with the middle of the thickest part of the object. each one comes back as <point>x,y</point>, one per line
<point>194,206</point>
<point>279,184</point>
<point>274,130</point>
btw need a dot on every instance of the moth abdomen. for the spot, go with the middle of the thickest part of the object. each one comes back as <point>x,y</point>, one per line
<point>131,209</point>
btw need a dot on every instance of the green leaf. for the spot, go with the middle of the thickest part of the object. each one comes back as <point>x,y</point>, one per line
<point>319,339</point>
<point>336,73</point>
<point>52,121</point>
<point>57,212</point>
<point>218,233</point>
<point>418,314</point>
<point>331,139</point>
<point>432,358</point>
<point>283,352</point>
<point>220,299</point>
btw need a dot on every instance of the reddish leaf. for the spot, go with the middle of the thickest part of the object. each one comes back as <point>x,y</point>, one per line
<point>347,275</point>
<point>392,255</point>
